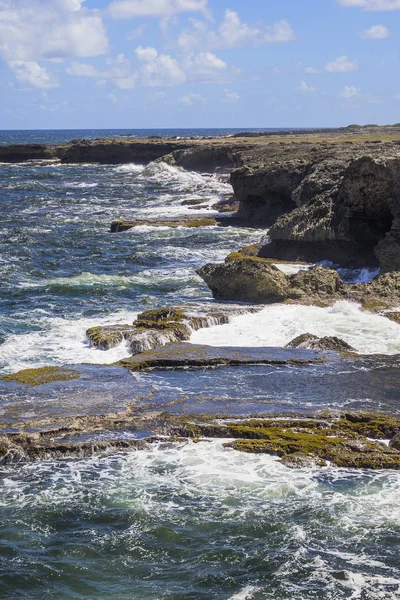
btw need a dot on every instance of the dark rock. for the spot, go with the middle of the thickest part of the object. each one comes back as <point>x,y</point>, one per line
<point>119,226</point>
<point>17,153</point>
<point>395,442</point>
<point>118,151</point>
<point>191,355</point>
<point>313,342</point>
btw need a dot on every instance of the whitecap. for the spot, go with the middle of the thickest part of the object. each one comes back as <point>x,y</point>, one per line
<point>278,324</point>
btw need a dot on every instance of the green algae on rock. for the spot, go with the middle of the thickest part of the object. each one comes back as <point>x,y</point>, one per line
<point>343,441</point>
<point>42,375</point>
<point>160,326</point>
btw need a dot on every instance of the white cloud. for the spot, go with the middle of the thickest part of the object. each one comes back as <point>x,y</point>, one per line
<point>155,70</point>
<point>128,9</point>
<point>376,32</point>
<point>205,67</point>
<point>371,5</point>
<point>343,64</point>
<point>279,32</point>
<point>231,97</point>
<point>77,69</point>
<point>191,99</point>
<point>137,32</point>
<point>31,75</point>
<point>158,69</point>
<point>32,30</point>
<point>311,70</point>
<point>306,89</point>
<point>232,33</point>
<point>350,92</point>
<point>126,83</point>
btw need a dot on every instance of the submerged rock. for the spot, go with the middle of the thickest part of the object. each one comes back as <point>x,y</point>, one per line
<point>313,342</point>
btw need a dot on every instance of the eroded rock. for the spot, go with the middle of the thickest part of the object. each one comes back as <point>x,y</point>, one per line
<point>313,342</point>
<point>155,328</point>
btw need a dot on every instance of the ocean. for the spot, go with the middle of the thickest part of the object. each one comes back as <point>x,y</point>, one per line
<point>184,521</point>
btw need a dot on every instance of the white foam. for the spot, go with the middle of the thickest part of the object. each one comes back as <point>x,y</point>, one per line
<point>292,268</point>
<point>278,324</point>
<point>245,594</point>
<point>59,341</point>
<point>129,168</point>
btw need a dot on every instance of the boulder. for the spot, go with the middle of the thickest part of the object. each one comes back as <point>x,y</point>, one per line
<point>395,442</point>
<point>319,285</point>
<point>246,280</point>
<point>313,342</point>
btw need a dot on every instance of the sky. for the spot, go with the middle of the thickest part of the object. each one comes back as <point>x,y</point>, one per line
<point>82,64</point>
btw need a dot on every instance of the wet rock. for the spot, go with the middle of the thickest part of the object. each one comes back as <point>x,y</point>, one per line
<point>313,342</point>
<point>192,355</point>
<point>253,279</point>
<point>42,375</point>
<point>395,442</point>
<point>319,286</point>
<point>155,328</point>
<point>247,277</point>
<point>393,316</point>
<point>227,205</point>
<point>194,202</point>
<point>119,226</point>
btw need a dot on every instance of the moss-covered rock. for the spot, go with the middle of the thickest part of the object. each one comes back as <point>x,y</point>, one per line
<point>246,279</point>
<point>344,440</point>
<point>41,376</point>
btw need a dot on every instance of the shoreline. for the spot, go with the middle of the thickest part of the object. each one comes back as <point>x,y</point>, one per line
<point>272,178</point>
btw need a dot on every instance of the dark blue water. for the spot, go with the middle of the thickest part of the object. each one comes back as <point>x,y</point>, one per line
<point>175,521</point>
<point>60,136</point>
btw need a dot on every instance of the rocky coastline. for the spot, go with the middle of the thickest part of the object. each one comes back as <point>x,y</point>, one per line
<point>322,196</point>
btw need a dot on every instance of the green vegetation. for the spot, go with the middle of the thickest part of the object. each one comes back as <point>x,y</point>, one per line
<point>104,338</point>
<point>342,440</point>
<point>41,376</point>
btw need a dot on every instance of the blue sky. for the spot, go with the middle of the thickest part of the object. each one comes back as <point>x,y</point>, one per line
<point>198,63</point>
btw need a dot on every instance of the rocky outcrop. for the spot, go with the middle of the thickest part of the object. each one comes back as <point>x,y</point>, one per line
<point>343,440</point>
<point>17,153</point>
<point>340,204</point>
<point>246,280</point>
<point>118,151</point>
<point>254,279</point>
<point>182,355</point>
<point>158,327</point>
<point>119,226</point>
<point>313,342</point>
<point>266,193</point>
<point>207,158</point>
